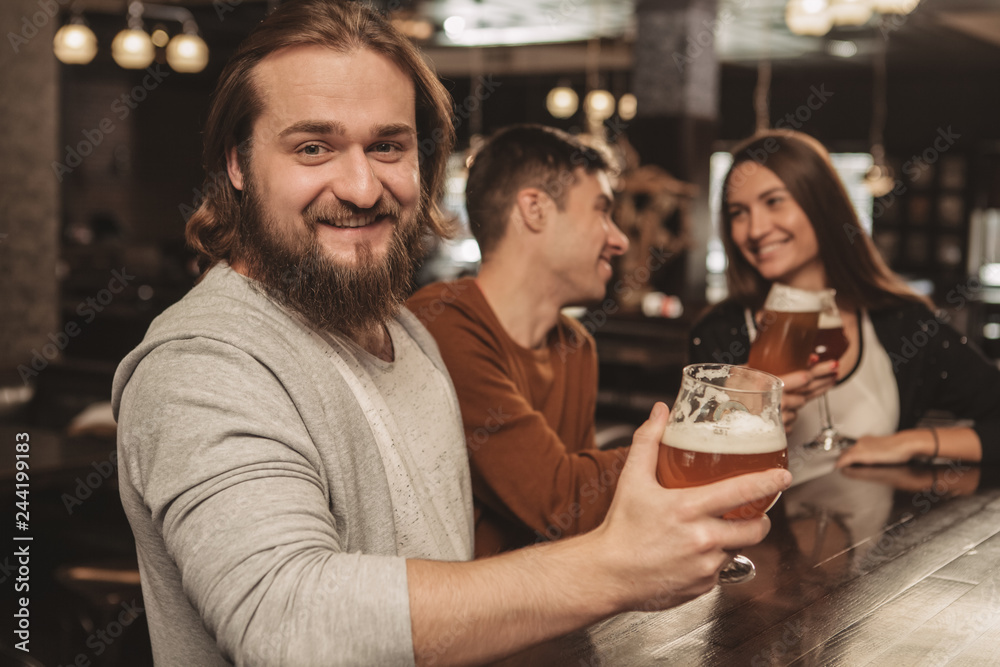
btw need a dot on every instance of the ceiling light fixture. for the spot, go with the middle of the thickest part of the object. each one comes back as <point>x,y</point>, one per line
<point>187,52</point>
<point>816,17</point>
<point>842,48</point>
<point>160,37</point>
<point>894,6</point>
<point>454,26</point>
<point>808,17</point>
<point>628,105</point>
<point>850,12</point>
<point>880,179</point>
<point>599,105</point>
<point>562,102</point>
<point>75,43</point>
<point>133,48</point>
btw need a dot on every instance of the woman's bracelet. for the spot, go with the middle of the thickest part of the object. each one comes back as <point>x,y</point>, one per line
<point>937,443</point>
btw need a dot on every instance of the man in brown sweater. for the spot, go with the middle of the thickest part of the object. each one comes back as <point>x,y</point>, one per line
<point>539,204</point>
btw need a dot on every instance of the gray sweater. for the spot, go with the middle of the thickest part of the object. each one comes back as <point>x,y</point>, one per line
<point>260,503</point>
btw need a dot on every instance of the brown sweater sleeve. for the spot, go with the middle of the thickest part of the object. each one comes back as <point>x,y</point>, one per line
<point>528,484</point>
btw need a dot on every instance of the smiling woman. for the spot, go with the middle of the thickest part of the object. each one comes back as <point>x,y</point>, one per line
<point>771,229</point>
<point>797,171</point>
<point>787,219</point>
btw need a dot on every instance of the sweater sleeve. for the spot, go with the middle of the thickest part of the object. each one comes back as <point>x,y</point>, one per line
<point>521,470</point>
<point>962,381</point>
<point>936,367</point>
<point>232,482</point>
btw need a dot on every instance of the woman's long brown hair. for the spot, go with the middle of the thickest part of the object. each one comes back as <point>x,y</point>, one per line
<point>853,265</point>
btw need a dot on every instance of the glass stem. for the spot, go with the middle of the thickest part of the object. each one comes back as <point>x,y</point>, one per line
<point>824,410</point>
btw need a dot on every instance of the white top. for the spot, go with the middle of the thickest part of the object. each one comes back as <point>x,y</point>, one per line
<point>860,404</point>
<point>415,437</point>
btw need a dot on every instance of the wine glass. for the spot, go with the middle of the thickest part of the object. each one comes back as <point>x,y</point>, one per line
<point>831,343</point>
<point>726,421</point>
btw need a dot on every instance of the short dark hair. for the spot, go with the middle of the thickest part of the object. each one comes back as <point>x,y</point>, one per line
<point>853,264</point>
<point>518,157</point>
<point>344,26</point>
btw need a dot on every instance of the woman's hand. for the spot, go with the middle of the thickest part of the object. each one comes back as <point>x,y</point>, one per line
<point>803,386</point>
<point>958,443</point>
<point>886,449</point>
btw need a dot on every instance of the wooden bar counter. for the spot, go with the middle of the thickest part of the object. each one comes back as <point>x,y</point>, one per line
<point>878,565</point>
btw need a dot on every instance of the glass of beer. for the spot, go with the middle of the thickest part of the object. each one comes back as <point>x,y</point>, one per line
<point>831,343</point>
<point>786,333</point>
<point>725,422</point>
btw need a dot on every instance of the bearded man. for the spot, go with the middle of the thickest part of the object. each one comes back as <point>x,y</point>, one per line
<point>291,454</point>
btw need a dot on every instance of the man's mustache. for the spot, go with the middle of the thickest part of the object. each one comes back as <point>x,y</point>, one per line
<point>386,205</point>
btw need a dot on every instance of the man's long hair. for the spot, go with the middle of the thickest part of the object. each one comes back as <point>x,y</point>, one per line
<point>853,265</point>
<point>344,26</point>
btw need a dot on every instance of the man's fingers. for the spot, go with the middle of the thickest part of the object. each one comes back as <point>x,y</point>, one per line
<point>729,494</point>
<point>739,534</point>
<point>646,441</point>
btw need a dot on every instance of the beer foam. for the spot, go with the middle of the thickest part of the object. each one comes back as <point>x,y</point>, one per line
<point>785,299</point>
<point>708,373</point>
<point>828,320</point>
<point>735,433</point>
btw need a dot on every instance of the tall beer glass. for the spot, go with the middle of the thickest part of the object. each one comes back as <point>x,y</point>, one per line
<point>831,343</point>
<point>725,422</point>
<point>787,330</point>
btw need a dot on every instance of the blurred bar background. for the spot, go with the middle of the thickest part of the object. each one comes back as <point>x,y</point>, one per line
<point>101,167</point>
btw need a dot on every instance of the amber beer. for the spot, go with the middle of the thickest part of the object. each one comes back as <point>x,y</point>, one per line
<point>786,334</point>
<point>692,454</point>
<point>831,343</point>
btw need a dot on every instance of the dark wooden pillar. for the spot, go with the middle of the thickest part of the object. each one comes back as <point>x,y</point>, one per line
<point>676,84</point>
<point>29,191</point>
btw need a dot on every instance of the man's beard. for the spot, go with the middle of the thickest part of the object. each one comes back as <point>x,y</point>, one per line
<point>295,269</point>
